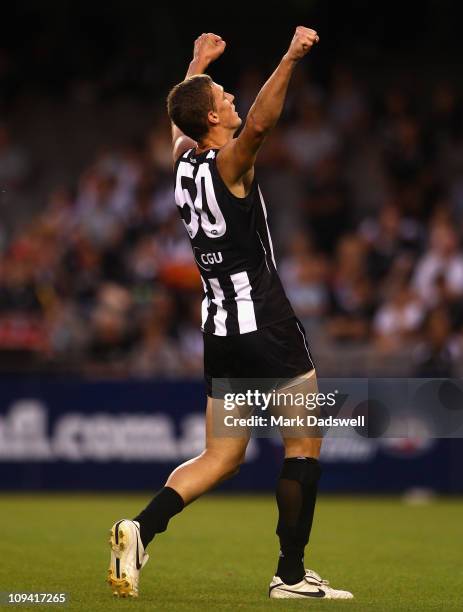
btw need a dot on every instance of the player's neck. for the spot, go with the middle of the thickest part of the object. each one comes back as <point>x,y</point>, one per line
<point>214,140</point>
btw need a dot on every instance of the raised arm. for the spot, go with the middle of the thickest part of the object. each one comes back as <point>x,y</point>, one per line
<point>236,159</point>
<point>207,48</point>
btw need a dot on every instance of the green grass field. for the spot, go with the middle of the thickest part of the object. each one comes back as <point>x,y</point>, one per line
<point>221,552</point>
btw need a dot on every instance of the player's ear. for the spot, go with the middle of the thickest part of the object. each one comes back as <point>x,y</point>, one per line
<point>213,117</point>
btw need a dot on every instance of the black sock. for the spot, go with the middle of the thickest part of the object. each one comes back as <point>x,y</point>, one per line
<point>296,495</point>
<point>155,517</point>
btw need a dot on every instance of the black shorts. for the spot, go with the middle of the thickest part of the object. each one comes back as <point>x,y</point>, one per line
<point>278,351</point>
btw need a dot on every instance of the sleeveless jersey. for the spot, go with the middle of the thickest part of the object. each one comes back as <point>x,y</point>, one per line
<point>232,248</point>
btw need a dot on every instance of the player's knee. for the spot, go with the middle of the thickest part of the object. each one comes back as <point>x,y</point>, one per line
<point>229,465</point>
<point>306,472</point>
<point>233,466</point>
<point>237,463</point>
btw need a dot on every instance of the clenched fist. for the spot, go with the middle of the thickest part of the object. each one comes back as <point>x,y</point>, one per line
<point>303,40</point>
<point>208,47</point>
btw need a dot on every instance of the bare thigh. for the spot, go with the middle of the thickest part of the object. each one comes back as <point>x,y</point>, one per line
<point>217,442</point>
<point>302,441</point>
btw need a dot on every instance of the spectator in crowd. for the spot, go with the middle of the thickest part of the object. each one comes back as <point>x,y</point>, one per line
<point>304,272</point>
<point>351,293</point>
<point>436,355</point>
<point>439,272</point>
<point>399,319</point>
<point>311,139</point>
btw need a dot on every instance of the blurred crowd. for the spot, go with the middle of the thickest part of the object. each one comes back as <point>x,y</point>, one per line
<point>365,193</point>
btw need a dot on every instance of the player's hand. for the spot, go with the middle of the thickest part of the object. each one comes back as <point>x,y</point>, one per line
<point>208,47</point>
<point>303,41</point>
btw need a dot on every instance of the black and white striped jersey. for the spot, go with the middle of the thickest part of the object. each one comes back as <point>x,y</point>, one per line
<point>232,248</point>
